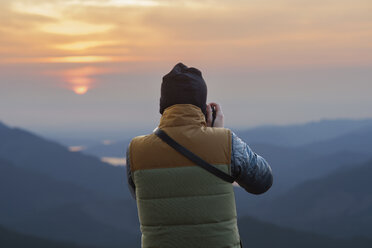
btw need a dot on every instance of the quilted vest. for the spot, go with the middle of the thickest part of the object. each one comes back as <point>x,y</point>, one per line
<point>180,204</point>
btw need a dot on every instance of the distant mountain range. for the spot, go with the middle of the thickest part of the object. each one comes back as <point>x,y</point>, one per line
<point>302,134</point>
<point>339,204</point>
<point>260,234</point>
<point>116,149</point>
<point>30,151</point>
<point>358,141</point>
<point>56,194</point>
<point>28,191</point>
<point>294,165</point>
<point>53,193</point>
<point>48,216</point>
<point>11,239</point>
<point>283,147</point>
<point>278,136</point>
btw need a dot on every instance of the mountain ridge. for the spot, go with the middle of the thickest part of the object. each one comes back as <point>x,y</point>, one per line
<point>57,161</point>
<point>338,204</point>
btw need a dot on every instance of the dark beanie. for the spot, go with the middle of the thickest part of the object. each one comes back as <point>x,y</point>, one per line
<point>183,85</point>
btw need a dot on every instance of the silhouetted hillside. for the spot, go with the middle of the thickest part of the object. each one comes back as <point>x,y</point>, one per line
<point>56,194</point>
<point>39,205</point>
<point>339,204</point>
<point>27,150</point>
<point>11,239</point>
<point>27,191</point>
<point>2,125</point>
<point>53,193</point>
<point>358,141</point>
<point>302,134</point>
<point>116,149</point>
<point>260,234</point>
<point>279,136</point>
<point>292,166</point>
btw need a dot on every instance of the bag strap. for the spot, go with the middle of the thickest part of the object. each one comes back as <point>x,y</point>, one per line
<point>194,158</point>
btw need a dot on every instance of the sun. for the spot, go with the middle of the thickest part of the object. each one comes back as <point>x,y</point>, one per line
<point>80,80</point>
<point>80,90</point>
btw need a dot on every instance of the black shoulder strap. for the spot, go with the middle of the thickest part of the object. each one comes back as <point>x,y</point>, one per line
<point>197,160</point>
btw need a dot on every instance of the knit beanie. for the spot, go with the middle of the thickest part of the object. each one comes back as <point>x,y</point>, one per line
<point>183,85</point>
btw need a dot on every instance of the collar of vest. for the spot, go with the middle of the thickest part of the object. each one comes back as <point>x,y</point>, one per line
<point>182,115</point>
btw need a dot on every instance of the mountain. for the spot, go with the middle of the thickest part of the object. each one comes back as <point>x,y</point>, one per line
<point>302,134</point>
<point>117,149</point>
<point>54,210</point>
<point>30,151</point>
<point>56,194</point>
<point>51,213</point>
<point>339,204</point>
<point>279,136</point>
<point>2,125</point>
<point>11,239</point>
<point>27,191</point>
<point>359,141</point>
<point>292,166</point>
<point>73,223</point>
<point>260,234</point>
<point>39,205</point>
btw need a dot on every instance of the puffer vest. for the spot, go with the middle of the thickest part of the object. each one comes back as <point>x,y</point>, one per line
<point>180,204</point>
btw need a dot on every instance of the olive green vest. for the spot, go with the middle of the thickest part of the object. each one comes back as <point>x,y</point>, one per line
<point>179,203</point>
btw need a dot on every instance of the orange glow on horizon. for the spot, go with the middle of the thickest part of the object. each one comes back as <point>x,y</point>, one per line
<point>80,59</point>
<point>140,36</point>
<point>80,84</point>
<point>80,79</point>
<point>79,46</point>
<point>80,90</point>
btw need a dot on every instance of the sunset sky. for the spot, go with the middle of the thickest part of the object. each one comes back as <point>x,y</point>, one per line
<point>71,66</point>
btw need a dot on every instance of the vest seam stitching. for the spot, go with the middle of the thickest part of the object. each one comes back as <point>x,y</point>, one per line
<point>197,224</point>
<point>158,198</point>
<point>191,165</point>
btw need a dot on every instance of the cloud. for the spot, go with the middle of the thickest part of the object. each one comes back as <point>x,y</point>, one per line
<point>83,45</point>
<point>262,33</point>
<point>74,28</point>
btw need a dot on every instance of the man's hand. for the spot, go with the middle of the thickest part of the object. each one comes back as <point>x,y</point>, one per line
<point>218,122</point>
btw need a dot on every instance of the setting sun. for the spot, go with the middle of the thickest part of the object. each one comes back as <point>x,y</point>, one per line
<point>81,79</point>
<point>80,90</point>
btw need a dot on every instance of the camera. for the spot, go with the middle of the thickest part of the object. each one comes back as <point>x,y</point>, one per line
<point>213,115</point>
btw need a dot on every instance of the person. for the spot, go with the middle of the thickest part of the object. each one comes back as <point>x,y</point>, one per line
<point>179,203</point>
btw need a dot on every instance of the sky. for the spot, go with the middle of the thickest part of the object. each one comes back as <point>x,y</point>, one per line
<point>73,67</point>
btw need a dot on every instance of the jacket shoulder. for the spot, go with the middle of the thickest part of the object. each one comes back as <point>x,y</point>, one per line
<point>221,132</point>
<point>141,139</point>
<point>138,147</point>
<point>211,144</point>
